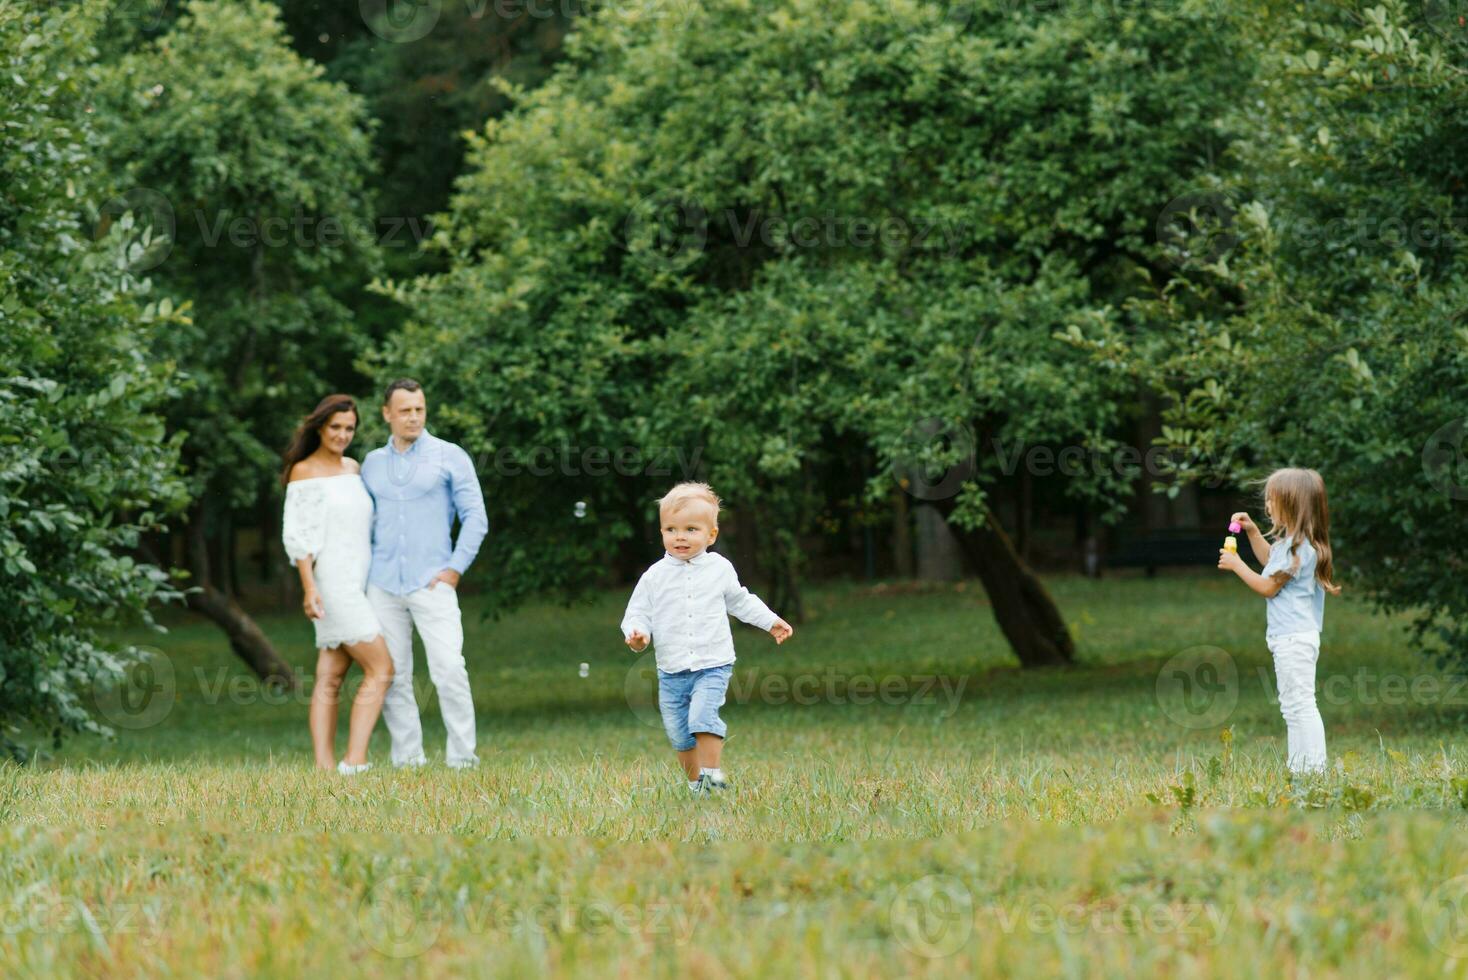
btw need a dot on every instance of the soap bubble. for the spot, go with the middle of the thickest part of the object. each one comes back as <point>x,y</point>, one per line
<point>580,508</point>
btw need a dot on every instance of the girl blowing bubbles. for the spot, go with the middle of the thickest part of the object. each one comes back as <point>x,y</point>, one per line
<point>1296,576</point>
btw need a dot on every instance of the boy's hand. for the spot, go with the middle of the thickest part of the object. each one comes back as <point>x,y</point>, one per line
<point>638,641</point>
<point>1229,561</point>
<point>1244,521</point>
<point>781,631</point>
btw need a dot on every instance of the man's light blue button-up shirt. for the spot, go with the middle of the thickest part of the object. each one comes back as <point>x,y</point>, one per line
<point>417,494</point>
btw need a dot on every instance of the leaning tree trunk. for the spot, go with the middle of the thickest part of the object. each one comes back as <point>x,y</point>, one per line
<point>1025,612</point>
<point>246,639</point>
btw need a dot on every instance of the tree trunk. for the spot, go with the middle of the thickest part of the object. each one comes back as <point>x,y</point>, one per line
<point>785,598</point>
<point>901,534</point>
<point>268,532</point>
<point>1023,608</point>
<point>939,556</point>
<point>1087,544</point>
<point>230,569</point>
<point>246,639</point>
<point>764,555</point>
<point>1024,510</point>
<point>737,540</point>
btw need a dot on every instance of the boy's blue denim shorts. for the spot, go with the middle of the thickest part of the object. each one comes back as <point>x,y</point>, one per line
<point>690,700</point>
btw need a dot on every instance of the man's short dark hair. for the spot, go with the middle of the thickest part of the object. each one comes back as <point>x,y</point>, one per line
<point>402,384</point>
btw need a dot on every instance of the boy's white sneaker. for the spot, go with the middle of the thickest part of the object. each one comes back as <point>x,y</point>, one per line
<point>713,779</point>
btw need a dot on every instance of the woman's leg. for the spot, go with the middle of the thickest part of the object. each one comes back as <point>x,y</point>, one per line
<point>331,667</point>
<point>377,673</point>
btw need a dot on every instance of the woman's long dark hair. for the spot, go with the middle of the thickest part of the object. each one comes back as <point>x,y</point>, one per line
<point>307,438</point>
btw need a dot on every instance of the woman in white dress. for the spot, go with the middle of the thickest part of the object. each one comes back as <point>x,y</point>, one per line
<point>327,532</point>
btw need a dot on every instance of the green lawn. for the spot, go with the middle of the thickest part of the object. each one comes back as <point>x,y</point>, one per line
<point>905,800</point>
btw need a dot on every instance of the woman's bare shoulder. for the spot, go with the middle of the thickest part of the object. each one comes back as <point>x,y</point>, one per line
<point>311,468</point>
<point>306,469</point>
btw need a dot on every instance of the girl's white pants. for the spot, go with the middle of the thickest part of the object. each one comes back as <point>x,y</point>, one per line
<point>1295,655</point>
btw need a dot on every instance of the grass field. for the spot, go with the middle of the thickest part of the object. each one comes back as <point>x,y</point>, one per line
<point>906,801</point>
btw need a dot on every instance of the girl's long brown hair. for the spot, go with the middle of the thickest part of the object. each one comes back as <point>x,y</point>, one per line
<point>307,437</point>
<point>1301,511</point>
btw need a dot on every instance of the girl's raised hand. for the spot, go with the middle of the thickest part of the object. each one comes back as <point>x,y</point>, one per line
<point>1242,517</point>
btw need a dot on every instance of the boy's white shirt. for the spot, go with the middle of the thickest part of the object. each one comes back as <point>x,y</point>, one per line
<point>684,607</point>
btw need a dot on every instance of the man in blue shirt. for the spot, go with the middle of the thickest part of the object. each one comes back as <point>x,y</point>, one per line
<point>419,484</point>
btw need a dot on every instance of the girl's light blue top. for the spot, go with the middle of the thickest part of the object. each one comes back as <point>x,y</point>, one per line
<point>1298,607</point>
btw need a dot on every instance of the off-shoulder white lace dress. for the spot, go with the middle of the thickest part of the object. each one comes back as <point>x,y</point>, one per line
<point>330,517</point>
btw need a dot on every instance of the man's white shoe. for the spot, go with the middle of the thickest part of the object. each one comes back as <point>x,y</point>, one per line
<point>347,770</point>
<point>463,764</point>
<point>415,764</point>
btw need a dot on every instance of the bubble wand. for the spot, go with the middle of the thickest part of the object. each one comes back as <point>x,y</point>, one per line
<point>1231,543</point>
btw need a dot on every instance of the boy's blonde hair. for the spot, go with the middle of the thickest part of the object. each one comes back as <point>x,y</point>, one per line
<point>690,492</point>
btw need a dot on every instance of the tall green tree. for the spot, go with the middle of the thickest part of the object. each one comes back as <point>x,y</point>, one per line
<point>800,236</point>
<point>259,166</point>
<point>1326,322</point>
<point>87,467</point>
<point>427,82</point>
